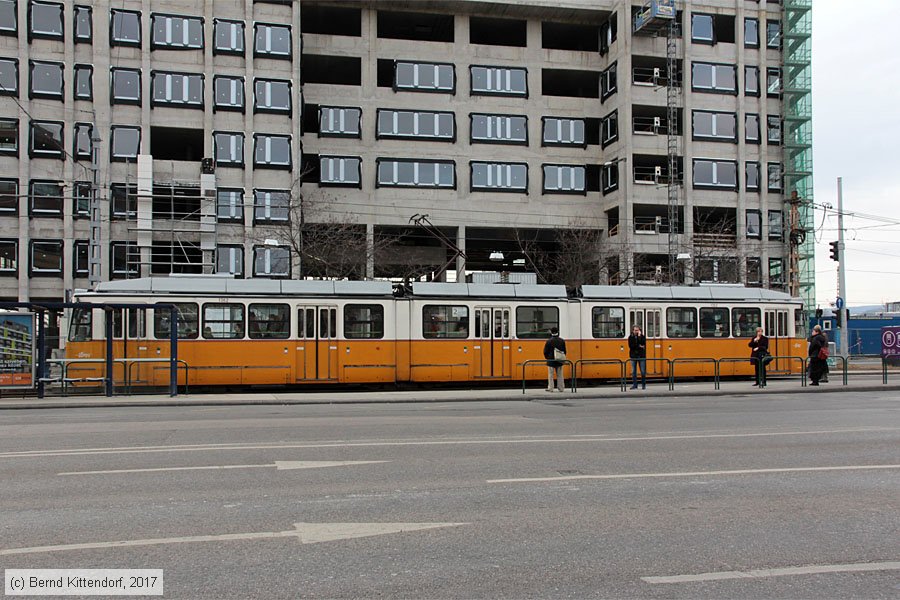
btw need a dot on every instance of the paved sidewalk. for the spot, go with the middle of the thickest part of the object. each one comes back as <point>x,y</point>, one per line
<point>535,391</point>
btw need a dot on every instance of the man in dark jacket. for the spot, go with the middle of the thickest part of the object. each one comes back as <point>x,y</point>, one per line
<point>637,352</point>
<point>553,344</point>
<point>817,366</point>
<point>759,349</point>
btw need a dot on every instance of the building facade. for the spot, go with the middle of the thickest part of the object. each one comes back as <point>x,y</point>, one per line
<point>142,137</point>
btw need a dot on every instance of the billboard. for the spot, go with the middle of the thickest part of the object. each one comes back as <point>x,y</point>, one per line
<point>890,342</point>
<point>16,350</point>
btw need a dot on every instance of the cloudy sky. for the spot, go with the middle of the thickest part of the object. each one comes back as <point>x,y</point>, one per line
<point>856,136</point>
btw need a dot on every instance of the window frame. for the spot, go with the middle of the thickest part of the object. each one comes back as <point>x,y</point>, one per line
<point>217,50</point>
<point>268,250</point>
<point>235,250</point>
<point>258,137</point>
<point>607,124</point>
<point>747,90</point>
<point>238,327</point>
<point>340,183</point>
<point>78,195</point>
<point>747,185</point>
<point>777,72</point>
<point>16,135</point>
<point>236,208</point>
<point>436,89</point>
<point>375,322</point>
<point>46,35</point>
<point>502,93</point>
<point>711,40</point>
<point>417,114</point>
<point>609,178</point>
<point>266,109</point>
<point>129,194</point>
<point>126,271</point>
<point>14,62</point>
<point>35,153</point>
<point>57,199</point>
<point>574,191</point>
<point>9,271</point>
<point>269,207</point>
<point>114,73</point>
<point>725,332</point>
<point>750,129</point>
<point>356,134</point>
<point>155,45</point>
<point>124,41</point>
<point>182,325</point>
<point>609,81</point>
<point>779,128</point>
<point>5,194</point>
<point>754,321</point>
<point>415,161</point>
<point>491,124</point>
<point>572,121</point>
<point>432,327</point>
<point>282,334</point>
<point>749,43</point>
<point>773,43</point>
<point>780,185</point>
<point>54,95</point>
<point>34,271</point>
<point>670,322</point>
<point>82,68</point>
<point>229,107</point>
<point>14,30</point>
<point>714,88</point>
<point>754,212</point>
<point>77,128</point>
<point>498,164</point>
<point>540,328</point>
<point>714,185</point>
<point>776,265</point>
<point>775,225</point>
<point>79,247</point>
<point>233,162</point>
<point>81,39</point>
<point>714,137</point>
<point>169,76</point>
<point>602,333</point>
<point>257,53</point>
<point>113,155</point>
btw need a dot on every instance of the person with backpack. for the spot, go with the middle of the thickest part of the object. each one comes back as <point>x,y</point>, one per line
<point>555,353</point>
<point>818,355</point>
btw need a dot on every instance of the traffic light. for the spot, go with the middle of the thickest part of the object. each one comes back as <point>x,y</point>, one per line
<point>835,251</point>
<point>837,317</point>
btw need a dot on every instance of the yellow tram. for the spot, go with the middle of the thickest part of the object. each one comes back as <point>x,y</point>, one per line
<point>246,332</point>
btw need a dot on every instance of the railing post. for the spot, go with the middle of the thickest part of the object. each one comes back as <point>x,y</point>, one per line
<point>173,353</point>
<point>42,357</point>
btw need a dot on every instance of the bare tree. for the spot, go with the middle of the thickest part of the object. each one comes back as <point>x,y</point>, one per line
<point>714,255</point>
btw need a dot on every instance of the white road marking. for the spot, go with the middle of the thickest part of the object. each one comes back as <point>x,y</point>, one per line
<point>306,533</point>
<point>281,465</point>
<point>695,473</point>
<point>452,442</point>
<point>758,573</point>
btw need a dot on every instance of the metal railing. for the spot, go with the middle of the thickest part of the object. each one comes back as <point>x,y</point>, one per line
<point>674,361</point>
<point>546,362</point>
<point>127,364</point>
<point>601,361</point>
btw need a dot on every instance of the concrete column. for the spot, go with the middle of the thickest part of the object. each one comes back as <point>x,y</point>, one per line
<point>460,261</point>
<point>370,251</point>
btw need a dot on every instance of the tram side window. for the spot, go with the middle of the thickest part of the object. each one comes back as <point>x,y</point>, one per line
<point>363,321</point>
<point>746,320</point>
<point>80,329</point>
<point>188,321</point>
<point>223,321</point>
<point>608,322</point>
<point>681,322</point>
<point>135,323</point>
<point>445,321</point>
<point>714,322</point>
<point>269,321</point>
<point>534,322</point>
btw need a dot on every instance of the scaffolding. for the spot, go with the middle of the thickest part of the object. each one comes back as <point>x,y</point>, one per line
<point>798,172</point>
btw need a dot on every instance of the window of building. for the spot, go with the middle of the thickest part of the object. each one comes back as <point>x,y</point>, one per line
<point>81,199</point>
<point>608,322</point>
<point>82,144</point>
<point>428,77</point>
<point>271,205</point>
<point>754,224</point>
<point>773,82</point>
<point>123,201</point>
<point>271,151</point>
<point>223,321</point>
<point>9,21</point>
<point>342,121</point>
<point>272,95</point>
<point>45,20</point>
<point>609,178</point>
<point>608,84</point>
<point>176,89</point>
<point>269,321</point>
<point>272,41</point>
<point>9,137</point>
<point>46,257</point>
<point>776,225</point>
<point>9,196</point>
<point>188,316</point>
<point>363,321</point>
<point>46,139</point>
<point>774,177</point>
<point>494,177</point>
<point>751,33</point>
<point>501,81</point>
<point>229,93</point>
<point>773,34</point>
<point>80,258</point>
<point>445,321</point>
<point>500,129</point>
<point>84,82</point>
<point>564,179</point>
<point>415,173</point>
<point>535,322</point>
<point>175,32</point>
<point>124,28</point>
<point>702,28</point>
<point>773,130</point>
<point>562,132</point>
<point>84,24</point>
<point>229,36</point>
<point>681,322</point>
<point>751,128</point>
<point>9,257</point>
<point>715,174</point>
<point>708,77</point>
<point>421,124</point>
<point>341,171</point>
<point>45,80</point>
<point>776,272</point>
<point>271,261</point>
<point>124,262</point>
<point>751,81</point>
<point>126,86</point>
<point>498,32</point>
<point>9,77</point>
<point>228,148</point>
<point>609,128</point>
<point>230,205</point>
<point>230,259</point>
<point>46,198</point>
<point>751,173</point>
<point>715,125</point>
<point>425,27</point>
<point>126,143</point>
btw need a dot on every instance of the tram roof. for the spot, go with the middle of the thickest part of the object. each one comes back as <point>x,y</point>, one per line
<point>683,292</point>
<point>489,290</point>
<point>199,285</point>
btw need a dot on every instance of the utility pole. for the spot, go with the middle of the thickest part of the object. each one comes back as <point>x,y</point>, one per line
<point>841,302</point>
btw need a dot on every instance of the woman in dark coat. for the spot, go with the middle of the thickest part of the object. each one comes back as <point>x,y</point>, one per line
<point>759,349</point>
<point>817,366</point>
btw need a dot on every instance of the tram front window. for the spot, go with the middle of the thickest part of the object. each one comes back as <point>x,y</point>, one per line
<point>80,329</point>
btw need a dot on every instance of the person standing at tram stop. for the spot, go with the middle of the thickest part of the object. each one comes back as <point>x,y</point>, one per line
<point>818,366</point>
<point>637,354</point>
<point>555,352</point>
<point>759,350</point>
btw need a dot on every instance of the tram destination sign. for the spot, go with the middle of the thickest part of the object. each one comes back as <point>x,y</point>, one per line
<point>890,342</point>
<point>16,350</point>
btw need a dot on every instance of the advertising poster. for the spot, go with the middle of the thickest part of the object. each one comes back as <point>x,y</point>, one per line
<point>16,350</point>
<point>890,343</point>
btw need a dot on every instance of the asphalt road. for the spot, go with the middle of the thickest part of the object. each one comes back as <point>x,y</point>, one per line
<point>750,496</point>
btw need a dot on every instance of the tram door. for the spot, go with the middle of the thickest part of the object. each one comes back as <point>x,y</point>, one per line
<point>650,322</point>
<point>492,346</point>
<point>317,349</point>
<point>133,335</point>
<point>776,329</point>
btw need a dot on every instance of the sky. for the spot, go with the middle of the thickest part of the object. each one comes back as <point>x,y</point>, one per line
<point>856,136</point>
